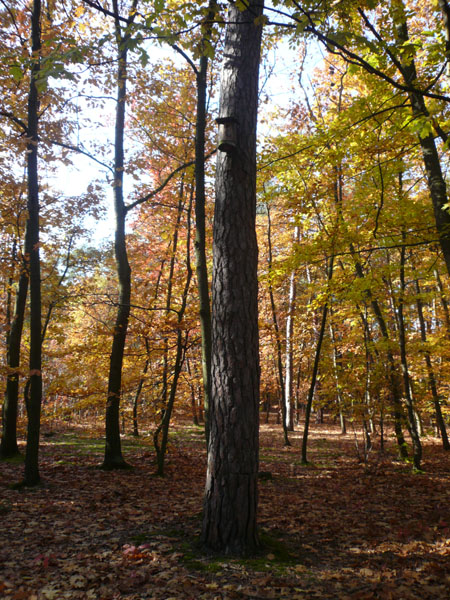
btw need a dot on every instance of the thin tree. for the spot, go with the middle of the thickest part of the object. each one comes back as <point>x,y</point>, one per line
<point>312,387</point>
<point>417,446</point>
<point>34,399</point>
<point>113,458</point>
<point>8,445</point>
<point>440,423</point>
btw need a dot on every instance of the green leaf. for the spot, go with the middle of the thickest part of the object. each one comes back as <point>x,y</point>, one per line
<point>17,73</point>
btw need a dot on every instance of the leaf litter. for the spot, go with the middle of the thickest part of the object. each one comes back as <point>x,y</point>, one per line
<point>335,528</point>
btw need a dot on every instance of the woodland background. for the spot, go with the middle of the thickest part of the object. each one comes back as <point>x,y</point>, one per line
<point>353,285</point>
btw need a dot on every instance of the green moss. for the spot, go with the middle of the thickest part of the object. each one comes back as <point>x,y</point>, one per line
<point>17,459</point>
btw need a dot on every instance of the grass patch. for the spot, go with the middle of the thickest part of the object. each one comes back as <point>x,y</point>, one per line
<point>17,459</point>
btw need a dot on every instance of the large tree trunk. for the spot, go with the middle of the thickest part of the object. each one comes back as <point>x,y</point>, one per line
<point>229,520</point>
<point>34,400</point>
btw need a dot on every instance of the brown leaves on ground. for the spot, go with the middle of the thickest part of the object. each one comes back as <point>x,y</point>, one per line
<point>333,529</point>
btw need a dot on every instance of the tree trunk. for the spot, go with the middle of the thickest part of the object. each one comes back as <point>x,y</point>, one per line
<point>113,451</point>
<point>337,368</point>
<point>435,179</point>
<point>229,519</point>
<point>392,368</point>
<point>163,428</point>
<point>430,372</point>
<point>312,387</point>
<point>289,344</point>
<point>8,446</point>
<point>279,360</point>
<point>200,229</point>
<point>417,446</point>
<point>138,393</point>
<point>32,476</point>
<point>444,302</point>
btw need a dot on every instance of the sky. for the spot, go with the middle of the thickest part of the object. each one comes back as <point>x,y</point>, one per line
<point>278,82</point>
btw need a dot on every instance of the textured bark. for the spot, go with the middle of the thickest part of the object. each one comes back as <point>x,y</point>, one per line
<point>32,476</point>
<point>113,451</point>
<point>229,520</point>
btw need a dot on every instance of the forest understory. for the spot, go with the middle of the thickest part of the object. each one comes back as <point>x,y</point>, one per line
<point>340,527</point>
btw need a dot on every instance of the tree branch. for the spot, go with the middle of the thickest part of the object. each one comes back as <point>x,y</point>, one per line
<point>163,184</point>
<point>14,119</point>
<point>81,151</point>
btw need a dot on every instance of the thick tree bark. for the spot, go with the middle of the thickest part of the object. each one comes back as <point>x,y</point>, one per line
<point>32,476</point>
<point>113,451</point>
<point>231,495</point>
<point>8,446</point>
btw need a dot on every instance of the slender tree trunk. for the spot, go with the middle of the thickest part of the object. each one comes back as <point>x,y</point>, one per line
<point>430,372</point>
<point>444,302</point>
<point>276,327</point>
<point>312,386</point>
<point>166,362</point>
<point>417,446</point>
<point>32,476</point>
<point>113,450</point>
<point>289,344</point>
<point>394,384</point>
<point>182,338</point>
<point>436,182</point>
<point>337,369</point>
<point>229,518</point>
<point>445,9</point>
<point>138,393</point>
<point>8,446</point>
<point>200,229</point>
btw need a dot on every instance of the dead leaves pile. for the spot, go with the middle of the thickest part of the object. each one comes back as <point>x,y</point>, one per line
<point>333,529</point>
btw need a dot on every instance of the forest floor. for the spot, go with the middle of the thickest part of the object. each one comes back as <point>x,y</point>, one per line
<point>337,528</point>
